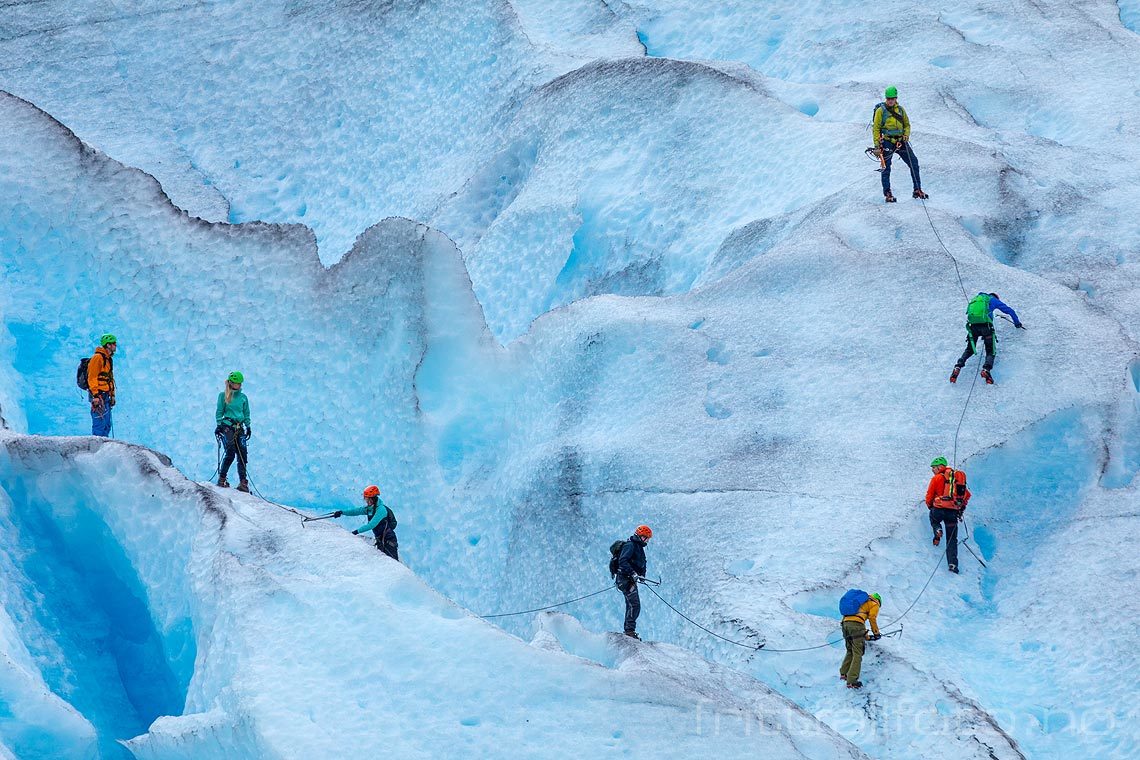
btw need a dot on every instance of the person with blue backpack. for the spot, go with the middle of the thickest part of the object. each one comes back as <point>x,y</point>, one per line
<point>980,324</point>
<point>857,607</point>
<point>890,128</point>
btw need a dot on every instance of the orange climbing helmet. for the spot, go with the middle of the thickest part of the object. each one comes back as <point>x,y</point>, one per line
<point>644,531</point>
<point>371,491</point>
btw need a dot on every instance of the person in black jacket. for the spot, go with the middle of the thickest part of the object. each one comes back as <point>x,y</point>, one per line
<point>631,566</point>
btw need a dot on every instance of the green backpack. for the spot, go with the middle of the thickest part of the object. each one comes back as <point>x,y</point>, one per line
<point>978,312</point>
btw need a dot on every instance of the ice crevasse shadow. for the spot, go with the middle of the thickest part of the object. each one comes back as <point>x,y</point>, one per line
<point>86,619</point>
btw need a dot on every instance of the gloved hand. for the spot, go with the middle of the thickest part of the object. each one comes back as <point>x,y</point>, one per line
<point>248,432</point>
<point>875,637</point>
<point>97,404</point>
<point>1019,326</point>
<point>220,431</point>
<point>337,513</point>
<point>356,533</point>
<point>112,400</point>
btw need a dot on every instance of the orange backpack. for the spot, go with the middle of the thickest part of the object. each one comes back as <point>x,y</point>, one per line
<point>955,490</point>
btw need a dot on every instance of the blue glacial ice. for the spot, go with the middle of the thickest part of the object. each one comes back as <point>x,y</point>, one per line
<point>596,264</point>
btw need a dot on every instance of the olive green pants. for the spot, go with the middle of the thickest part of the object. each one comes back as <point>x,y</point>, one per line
<point>855,636</point>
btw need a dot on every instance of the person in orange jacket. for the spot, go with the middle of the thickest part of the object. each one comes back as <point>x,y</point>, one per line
<point>946,499</point>
<point>101,385</point>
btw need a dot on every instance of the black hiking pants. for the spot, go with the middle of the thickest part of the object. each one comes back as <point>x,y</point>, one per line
<point>889,149</point>
<point>984,331</point>
<point>949,518</point>
<point>628,587</point>
<point>386,541</point>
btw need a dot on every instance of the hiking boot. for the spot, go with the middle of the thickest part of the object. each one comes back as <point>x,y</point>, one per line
<point>243,486</point>
<point>854,684</point>
<point>952,568</point>
<point>938,537</point>
<point>843,676</point>
<point>988,377</point>
<point>888,198</point>
<point>223,483</point>
<point>954,374</point>
<point>919,194</point>
<point>633,635</point>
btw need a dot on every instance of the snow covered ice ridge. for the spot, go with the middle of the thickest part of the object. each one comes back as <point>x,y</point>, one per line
<point>675,298</point>
<point>284,641</point>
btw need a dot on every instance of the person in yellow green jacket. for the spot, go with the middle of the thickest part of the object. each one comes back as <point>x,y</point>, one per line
<point>857,607</point>
<point>890,128</point>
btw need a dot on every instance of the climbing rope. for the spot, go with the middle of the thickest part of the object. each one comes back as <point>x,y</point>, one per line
<point>548,607</point>
<point>965,407</point>
<point>698,625</point>
<point>934,229</point>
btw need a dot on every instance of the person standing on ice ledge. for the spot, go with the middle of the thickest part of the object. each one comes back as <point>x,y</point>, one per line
<point>980,324</point>
<point>630,566</point>
<point>233,430</point>
<point>946,499</point>
<point>101,385</point>
<point>890,128</point>
<point>381,521</point>
<point>857,607</point>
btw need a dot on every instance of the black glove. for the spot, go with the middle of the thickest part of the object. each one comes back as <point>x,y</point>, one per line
<point>875,636</point>
<point>337,513</point>
<point>356,533</point>
<point>248,432</point>
<point>1019,326</point>
<point>220,431</point>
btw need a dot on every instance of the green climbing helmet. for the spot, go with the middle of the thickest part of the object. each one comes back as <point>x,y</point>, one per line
<point>236,377</point>
<point>939,462</point>
<point>877,598</point>
<point>108,338</point>
<point>891,92</point>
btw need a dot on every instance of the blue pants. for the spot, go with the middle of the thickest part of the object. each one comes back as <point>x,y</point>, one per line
<point>101,421</point>
<point>235,448</point>
<point>908,157</point>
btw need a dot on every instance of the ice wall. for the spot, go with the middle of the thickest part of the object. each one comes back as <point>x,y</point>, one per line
<point>331,114</point>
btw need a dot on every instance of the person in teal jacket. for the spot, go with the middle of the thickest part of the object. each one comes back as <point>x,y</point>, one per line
<point>381,521</point>
<point>233,430</point>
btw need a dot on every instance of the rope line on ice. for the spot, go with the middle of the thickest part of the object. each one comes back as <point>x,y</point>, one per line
<point>754,647</point>
<point>547,607</point>
<point>973,384</point>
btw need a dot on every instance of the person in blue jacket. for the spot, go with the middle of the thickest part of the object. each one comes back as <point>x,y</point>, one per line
<point>381,521</point>
<point>980,324</point>
<point>631,566</point>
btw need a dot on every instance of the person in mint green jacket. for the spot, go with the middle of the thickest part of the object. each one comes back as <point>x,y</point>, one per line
<point>381,521</point>
<point>233,430</point>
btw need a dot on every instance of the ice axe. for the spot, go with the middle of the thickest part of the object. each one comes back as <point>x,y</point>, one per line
<point>321,517</point>
<point>875,153</point>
